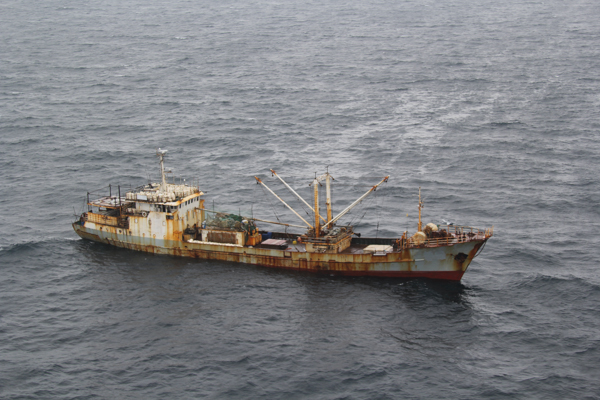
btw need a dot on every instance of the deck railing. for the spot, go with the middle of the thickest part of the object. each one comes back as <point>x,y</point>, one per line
<point>455,234</point>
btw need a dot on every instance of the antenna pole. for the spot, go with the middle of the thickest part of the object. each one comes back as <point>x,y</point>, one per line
<point>317,222</point>
<point>328,201</point>
<point>420,207</point>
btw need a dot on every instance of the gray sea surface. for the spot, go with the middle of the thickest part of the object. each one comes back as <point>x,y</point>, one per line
<point>492,108</point>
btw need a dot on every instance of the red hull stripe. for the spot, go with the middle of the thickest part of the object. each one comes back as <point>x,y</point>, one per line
<point>443,275</point>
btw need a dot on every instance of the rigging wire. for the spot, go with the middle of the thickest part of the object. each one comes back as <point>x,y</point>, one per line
<point>357,218</point>
<point>308,213</point>
<point>271,204</point>
<point>253,200</point>
<point>297,201</point>
<point>378,206</point>
<point>354,220</point>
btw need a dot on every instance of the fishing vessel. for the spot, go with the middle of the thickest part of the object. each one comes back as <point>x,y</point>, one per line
<point>169,218</point>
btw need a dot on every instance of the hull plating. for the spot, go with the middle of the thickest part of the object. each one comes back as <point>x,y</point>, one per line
<point>443,262</point>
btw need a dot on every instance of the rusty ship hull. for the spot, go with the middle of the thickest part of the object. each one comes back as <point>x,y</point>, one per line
<point>446,261</point>
<point>165,218</point>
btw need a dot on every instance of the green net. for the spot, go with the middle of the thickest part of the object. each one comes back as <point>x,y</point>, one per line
<point>229,221</point>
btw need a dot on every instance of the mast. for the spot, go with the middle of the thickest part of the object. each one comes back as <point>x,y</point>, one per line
<point>317,222</point>
<point>161,155</point>
<point>328,201</point>
<point>419,226</point>
<point>316,182</point>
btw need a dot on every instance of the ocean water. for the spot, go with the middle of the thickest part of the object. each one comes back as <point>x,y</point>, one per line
<point>492,108</point>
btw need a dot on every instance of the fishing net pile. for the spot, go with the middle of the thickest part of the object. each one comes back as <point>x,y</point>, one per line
<point>229,221</point>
